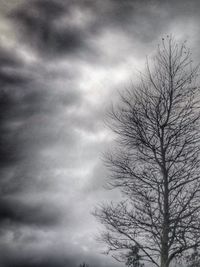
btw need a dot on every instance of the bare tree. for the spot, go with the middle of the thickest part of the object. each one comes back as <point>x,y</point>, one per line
<point>156,164</point>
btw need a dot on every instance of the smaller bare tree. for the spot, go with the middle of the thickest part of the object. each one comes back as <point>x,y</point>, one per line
<point>83,265</point>
<point>133,258</point>
<point>193,260</point>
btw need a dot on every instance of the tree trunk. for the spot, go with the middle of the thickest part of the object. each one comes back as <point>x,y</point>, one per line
<point>165,231</point>
<point>165,226</point>
<point>164,256</point>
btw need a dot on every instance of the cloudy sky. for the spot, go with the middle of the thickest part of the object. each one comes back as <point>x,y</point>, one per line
<point>62,63</point>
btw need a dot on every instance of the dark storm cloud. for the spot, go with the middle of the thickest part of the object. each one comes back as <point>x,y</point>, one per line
<point>35,260</point>
<point>55,259</point>
<point>10,76</point>
<point>51,26</point>
<point>66,27</point>
<point>28,125</point>
<point>7,59</point>
<point>14,211</point>
<point>41,263</point>
<point>9,69</point>
<point>40,23</point>
<point>27,104</point>
<point>15,109</point>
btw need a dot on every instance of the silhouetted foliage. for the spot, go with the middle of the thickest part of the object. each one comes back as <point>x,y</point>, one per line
<point>83,265</point>
<point>133,258</point>
<point>193,260</point>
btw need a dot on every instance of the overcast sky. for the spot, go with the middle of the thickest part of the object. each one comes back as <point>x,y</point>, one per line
<point>62,63</point>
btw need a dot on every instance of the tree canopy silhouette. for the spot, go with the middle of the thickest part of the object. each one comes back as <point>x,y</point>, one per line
<point>156,165</point>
